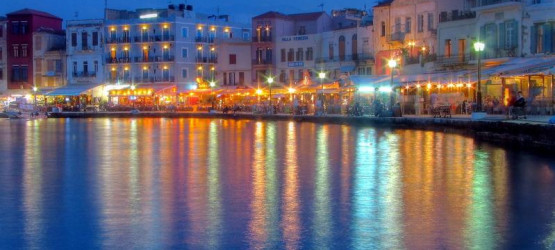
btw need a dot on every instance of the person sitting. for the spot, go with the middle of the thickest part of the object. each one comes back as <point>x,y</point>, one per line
<point>520,101</point>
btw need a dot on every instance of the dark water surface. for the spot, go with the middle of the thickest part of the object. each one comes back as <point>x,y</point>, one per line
<point>214,184</point>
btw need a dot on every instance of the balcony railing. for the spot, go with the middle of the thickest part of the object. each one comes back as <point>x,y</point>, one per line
<point>118,40</point>
<point>483,3</point>
<point>154,79</point>
<point>207,59</point>
<point>355,57</point>
<point>262,39</point>
<point>154,59</point>
<point>204,39</point>
<point>118,60</point>
<point>398,36</point>
<point>261,62</point>
<point>456,15</point>
<point>84,74</point>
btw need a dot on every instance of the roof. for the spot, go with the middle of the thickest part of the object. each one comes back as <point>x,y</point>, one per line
<point>272,14</point>
<point>384,3</point>
<point>307,16</point>
<point>27,11</point>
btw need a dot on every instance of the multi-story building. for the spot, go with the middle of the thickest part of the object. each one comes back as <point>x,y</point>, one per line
<point>234,66</point>
<point>85,50</point>
<point>296,58</point>
<point>407,29</point>
<point>175,45</point>
<point>3,55</point>
<point>21,25</point>
<point>49,55</point>
<point>297,31</point>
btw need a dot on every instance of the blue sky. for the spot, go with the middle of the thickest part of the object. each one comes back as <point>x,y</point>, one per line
<point>240,10</point>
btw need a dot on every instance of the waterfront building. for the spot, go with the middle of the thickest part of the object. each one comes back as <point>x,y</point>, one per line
<point>406,30</point>
<point>85,50</point>
<point>49,55</point>
<point>3,56</point>
<point>167,47</point>
<point>21,26</point>
<point>286,45</point>
<point>234,67</point>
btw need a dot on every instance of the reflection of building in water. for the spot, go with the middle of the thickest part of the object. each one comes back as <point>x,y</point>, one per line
<point>291,205</point>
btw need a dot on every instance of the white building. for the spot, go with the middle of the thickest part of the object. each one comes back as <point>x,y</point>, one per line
<point>174,46</point>
<point>296,57</point>
<point>49,59</point>
<point>3,56</point>
<point>85,49</point>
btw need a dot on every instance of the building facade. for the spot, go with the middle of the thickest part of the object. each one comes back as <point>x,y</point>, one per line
<point>272,28</point>
<point>49,56</point>
<point>21,26</point>
<point>173,46</point>
<point>85,50</point>
<point>3,55</point>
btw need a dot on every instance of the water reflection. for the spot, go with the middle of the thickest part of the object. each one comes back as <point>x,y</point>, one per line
<point>201,183</point>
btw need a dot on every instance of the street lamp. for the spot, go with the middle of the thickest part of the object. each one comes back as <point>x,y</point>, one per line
<point>322,75</point>
<point>270,81</point>
<point>35,89</point>
<point>133,94</point>
<point>213,97</point>
<point>392,64</point>
<point>479,47</point>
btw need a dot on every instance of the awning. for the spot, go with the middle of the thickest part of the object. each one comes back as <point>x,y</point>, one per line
<point>347,69</point>
<point>72,90</point>
<point>522,66</point>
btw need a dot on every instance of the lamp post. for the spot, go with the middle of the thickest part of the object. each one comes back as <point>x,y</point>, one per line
<point>212,86</point>
<point>270,81</point>
<point>392,64</point>
<point>35,89</point>
<point>479,47</point>
<point>322,75</point>
<point>133,94</point>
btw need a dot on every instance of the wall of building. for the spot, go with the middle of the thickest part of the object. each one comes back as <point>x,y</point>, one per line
<point>49,60</point>
<point>85,64</point>
<point>234,66</point>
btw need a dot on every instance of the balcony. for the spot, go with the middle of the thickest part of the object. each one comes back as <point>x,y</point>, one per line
<point>141,59</point>
<point>118,40</point>
<point>262,39</point>
<point>156,79</point>
<point>360,57</point>
<point>84,74</point>
<point>484,3</point>
<point>207,59</point>
<point>398,36</point>
<point>204,39</point>
<point>118,60</point>
<point>456,15</point>
<point>261,62</point>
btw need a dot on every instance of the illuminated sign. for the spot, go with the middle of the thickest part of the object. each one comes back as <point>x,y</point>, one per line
<point>152,15</point>
<point>295,64</point>
<point>294,38</point>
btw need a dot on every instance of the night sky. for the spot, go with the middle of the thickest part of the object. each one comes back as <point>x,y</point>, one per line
<point>240,10</point>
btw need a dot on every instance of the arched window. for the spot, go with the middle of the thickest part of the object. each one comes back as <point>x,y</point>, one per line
<point>341,48</point>
<point>354,47</point>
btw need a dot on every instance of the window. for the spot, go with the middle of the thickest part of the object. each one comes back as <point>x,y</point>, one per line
<point>38,43</point>
<point>15,73</point>
<point>23,29</point>
<point>184,52</point>
<point>15,50</point>
<point>291,55</point>
<point>342,48</point>
<point>300,54</point>
<point>184,73</point>
<point>38,65</point>
<point>95,66</point>
<point>383,29</point>
<point>0,54</point>
<point>397,24</point>
<point>231,76</point>
<point>330,51</point>
<point>85,67</point>
<point>19,73</point>
<point>15,28</point>
<point>95,38</point>
<point>283,55</point>
<point>420,23</point>
<point>241,78</point>
<point>184,32</point>
<point>145,73</point>
<point>309,54</point>
<point>269,55</point>
<point>232,59</point>
<point>430,21</point>
<point>24,50</point>
<point>448,48</point>
<point>74,69</point>
<point>1,31</point>
<point>408,25</point>
<point>73,39</point>
<point>354,47</point>
<point>246,36</point>
<point>84,42</point>
<point>1,74</point>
